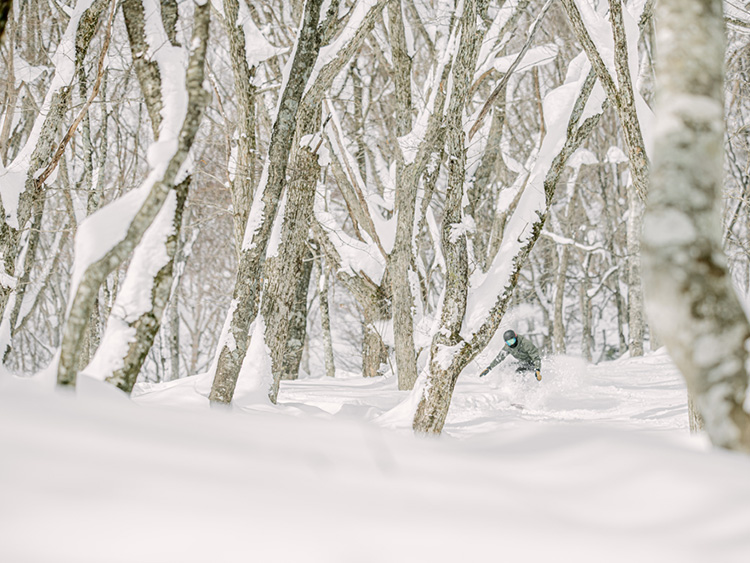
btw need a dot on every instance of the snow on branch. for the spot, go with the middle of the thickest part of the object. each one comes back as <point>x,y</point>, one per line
<point>559,239</point>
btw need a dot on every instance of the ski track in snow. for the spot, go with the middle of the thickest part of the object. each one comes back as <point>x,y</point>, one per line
<point>646,393</point>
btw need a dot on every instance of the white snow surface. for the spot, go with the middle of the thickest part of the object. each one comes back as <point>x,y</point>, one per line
<point>592,464</point>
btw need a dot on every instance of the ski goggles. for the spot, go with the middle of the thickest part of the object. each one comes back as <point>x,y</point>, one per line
<point>512,341</point>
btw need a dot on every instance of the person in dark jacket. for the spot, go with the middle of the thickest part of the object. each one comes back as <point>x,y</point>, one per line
<point>523,350</point>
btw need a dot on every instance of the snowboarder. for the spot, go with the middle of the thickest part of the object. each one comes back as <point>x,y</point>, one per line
<point>523,350</point>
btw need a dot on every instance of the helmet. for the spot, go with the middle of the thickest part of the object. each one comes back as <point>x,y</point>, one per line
<point>509,335</point>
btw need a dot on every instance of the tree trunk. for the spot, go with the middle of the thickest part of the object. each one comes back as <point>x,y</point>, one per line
<point>436,396</point>
<point>284,270</point>
<point>558,319</point>
<point>406,198</point>
<point>433,406</point>
<point>689,289</point>
<point>298,321</point>
<point>146,325</point>
<point>247,286</point>
<point>86,291</point>
<point>635,291</point>
<point>243,180</point>
<point>325,321</point>
<point>585,304</point>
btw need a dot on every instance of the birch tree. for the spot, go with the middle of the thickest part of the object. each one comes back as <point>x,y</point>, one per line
<point>467,325</point>
<point>631,110</point>
<point>233,346</point>
<point>23,179</point>
<point>689,289</point>
<point>133,215</point>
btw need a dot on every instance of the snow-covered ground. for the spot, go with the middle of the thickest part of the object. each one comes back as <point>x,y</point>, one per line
<point>594,463</point>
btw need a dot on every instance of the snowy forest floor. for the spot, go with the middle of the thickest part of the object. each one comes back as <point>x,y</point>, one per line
<point>595,463</point>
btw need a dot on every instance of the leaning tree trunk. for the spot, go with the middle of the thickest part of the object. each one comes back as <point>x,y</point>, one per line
<point>144,324</point>
<point>436,396</point>
<point>233,348</point>
<point>86,291</point>
<point>690,295</point>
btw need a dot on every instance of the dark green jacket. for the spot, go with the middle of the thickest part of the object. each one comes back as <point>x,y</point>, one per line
<point>524,351</point>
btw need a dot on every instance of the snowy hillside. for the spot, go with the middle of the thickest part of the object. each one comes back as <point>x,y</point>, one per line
<point>592,464</point>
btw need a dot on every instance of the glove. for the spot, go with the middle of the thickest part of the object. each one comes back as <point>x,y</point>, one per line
<point>485,372</point>
<point>538,375</point>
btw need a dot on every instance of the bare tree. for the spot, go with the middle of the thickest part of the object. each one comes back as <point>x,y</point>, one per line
<point>159,186</point>
<point>622,96</point>
<point>689,290</point>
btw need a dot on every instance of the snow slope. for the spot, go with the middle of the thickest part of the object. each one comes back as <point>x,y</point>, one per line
<point>592,464</point>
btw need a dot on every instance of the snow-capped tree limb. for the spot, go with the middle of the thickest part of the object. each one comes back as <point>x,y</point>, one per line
<point>86,283</point>
<point>233,347</point>
<point>489,102</point>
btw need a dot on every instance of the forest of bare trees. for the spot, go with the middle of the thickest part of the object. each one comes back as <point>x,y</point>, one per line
<point>261,190</point>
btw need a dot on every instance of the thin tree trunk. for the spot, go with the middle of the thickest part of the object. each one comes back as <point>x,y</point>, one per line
<point>635,290</point>
<point>298,321</point>
<point>147,324</point>
<point>325,322</point>
<point>558,324</point>
<point>585,304</point>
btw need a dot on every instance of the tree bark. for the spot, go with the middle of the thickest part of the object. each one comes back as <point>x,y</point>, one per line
<point>689,289</point>
<point>243,181</point>
<point>325,322</point>
<point>635,290</point>
<point>247,286</point>
<point>87,290</point>
<point>147,324</point>
<point>298,321</point>
<point>433,406</point>
<point>284,270</point>
<point>406,197</point>
<point>435,401</point>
